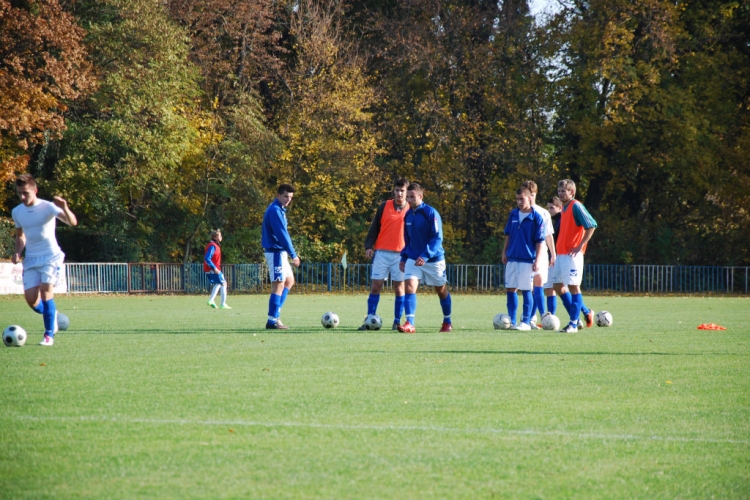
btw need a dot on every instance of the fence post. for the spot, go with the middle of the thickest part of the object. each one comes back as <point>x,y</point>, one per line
<point>330,270</point>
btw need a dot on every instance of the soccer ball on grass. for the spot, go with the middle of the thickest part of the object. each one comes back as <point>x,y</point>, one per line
<point>330,320</point>
<point>550,322</point>
<point>502,322</point>
<point>373,322</point>
<point>62,321</point>
<point>603,318</point>
<point>14,336</point>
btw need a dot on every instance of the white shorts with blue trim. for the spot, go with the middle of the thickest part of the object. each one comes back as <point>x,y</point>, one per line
<point>278,266</point>
<point>431,273</point>
<point>568,270</point>
<point>386,262</point>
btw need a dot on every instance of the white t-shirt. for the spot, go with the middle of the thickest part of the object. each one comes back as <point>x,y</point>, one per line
<point>38,224</point>
<point>549,229</point>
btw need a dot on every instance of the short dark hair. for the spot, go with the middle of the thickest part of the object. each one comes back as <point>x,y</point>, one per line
<point>402,182</point>
<point>415,186</point>
<point>25,180</point>
<point>556,201</point>
<point>523,190</point>
<point>285,188</point>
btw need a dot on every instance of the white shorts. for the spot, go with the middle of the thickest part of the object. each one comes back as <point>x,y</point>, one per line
<point>42,270</point>
<point>431,273</point>
<point>385,262</point>
<point>543,266</point>
<point>519,275</point>
<point>568,270</point>
<point>278,266</point>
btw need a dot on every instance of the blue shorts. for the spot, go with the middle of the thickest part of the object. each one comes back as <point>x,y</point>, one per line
<point>216,278</point>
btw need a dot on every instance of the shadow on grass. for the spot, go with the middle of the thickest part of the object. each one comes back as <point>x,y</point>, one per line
<point>560,353</point>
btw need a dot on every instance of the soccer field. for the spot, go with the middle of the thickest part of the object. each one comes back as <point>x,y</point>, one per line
<point>164,397</point>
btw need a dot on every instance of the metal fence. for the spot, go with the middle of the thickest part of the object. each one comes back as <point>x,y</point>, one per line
<point>329,277</point>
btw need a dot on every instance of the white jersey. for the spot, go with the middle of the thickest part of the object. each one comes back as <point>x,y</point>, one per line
<point>38,224</point>
<point>549,229</point>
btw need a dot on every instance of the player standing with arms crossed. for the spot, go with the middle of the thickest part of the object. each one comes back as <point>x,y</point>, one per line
<point>35,230</point>
<point>383,245</point>
<point>423,257</point>
<point>212,268</point>
<point>278,248</point>
<point>576,229</point>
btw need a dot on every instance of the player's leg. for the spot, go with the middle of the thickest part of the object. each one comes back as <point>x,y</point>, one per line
<point>435,275</point>
<point>525,282</point>
<point>278,280</point>
<point>398,305</point>
<point>376,286</point>
<point>538,300</point>
<point>215,286</point>
<point>412,275</point>
<point>511,290</point>
<point>49,313</point>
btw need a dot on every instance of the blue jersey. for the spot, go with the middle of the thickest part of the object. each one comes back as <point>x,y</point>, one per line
<point>423,235</point>
<point>523,235</point>
<point>275,236</point>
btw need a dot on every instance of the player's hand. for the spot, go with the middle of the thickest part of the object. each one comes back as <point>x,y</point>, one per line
<point>296,262</point>
<point>552,260</point>
<point>369,253</point>
<point>60,202</point>
<point>419,262</point>
<point>402,266</point>
<point>505,259</point>
<point>221,276</point>
<point>16,258</point>
<point>535,267</point>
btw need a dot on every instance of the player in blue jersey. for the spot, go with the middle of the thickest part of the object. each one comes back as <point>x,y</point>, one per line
<point>35,220</point>
<point>423,257</point>
<point>546,259</point>
<point>522,256</point>
<point>212,268</point>
<point>278,249</point>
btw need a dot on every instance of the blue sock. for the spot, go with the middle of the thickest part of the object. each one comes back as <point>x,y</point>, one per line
<point>398,309</point>
<point>512,303</point>
<point>538,302</point>
<point>372,303</point>
<point>552,304</point>
<point>585,310</point>
<point>410,306</point>
<point>284,293</point>
<point>38,308</point>
<point>575,308</point>
<point>445,304</point>
<point>50,311</point>
<point>567,301</point>
<point>528,303</point>
<point>274,305</point>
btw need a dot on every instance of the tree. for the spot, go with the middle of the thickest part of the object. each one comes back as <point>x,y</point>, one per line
<point>43,67</point>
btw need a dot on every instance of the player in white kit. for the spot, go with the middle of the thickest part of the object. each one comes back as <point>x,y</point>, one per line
<point>35,220</point>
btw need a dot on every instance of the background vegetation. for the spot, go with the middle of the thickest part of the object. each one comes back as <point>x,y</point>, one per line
<point>162,120</point>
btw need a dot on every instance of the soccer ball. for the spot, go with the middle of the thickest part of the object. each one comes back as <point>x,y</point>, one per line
<point>501,322</point>
<point>330,320</point>
<point>62,321</point>
<point>14,336</point>
<point>373,322</point>
<point>550,322</point>
<point>604,318</point>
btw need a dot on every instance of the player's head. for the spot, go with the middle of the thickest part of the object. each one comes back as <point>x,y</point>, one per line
<point>523,198</point>
<point>284,194</point>
<point>414,194</point>
<point>26,189</point>
<point>566,190</point>
<point>554,205</point>
<point>399,190</point>
<point>216,235</point>
<point>531,185</point>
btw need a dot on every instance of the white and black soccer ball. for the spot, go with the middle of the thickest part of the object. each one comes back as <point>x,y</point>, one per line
<point>550,322</point>
<point>14,336</point>
<point>603,318</point>
<point>373,322</point>
<point>330,320</point>
<point>502,322</point>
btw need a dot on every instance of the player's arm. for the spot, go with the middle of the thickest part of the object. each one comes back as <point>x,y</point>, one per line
<point>583,218</point>
<point>505,248</point>
<point>210,255</point>
<point>372,234</point>
<point>552,251</point>
<point>20,245</point>
<point>281,233</point>
<point>436,237</point>
<point>67,215</point>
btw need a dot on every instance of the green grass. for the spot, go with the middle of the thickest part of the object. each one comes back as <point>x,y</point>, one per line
<point>163,397</point>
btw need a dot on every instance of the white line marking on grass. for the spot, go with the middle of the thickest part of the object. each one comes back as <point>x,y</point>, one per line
<point>396,428</point>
